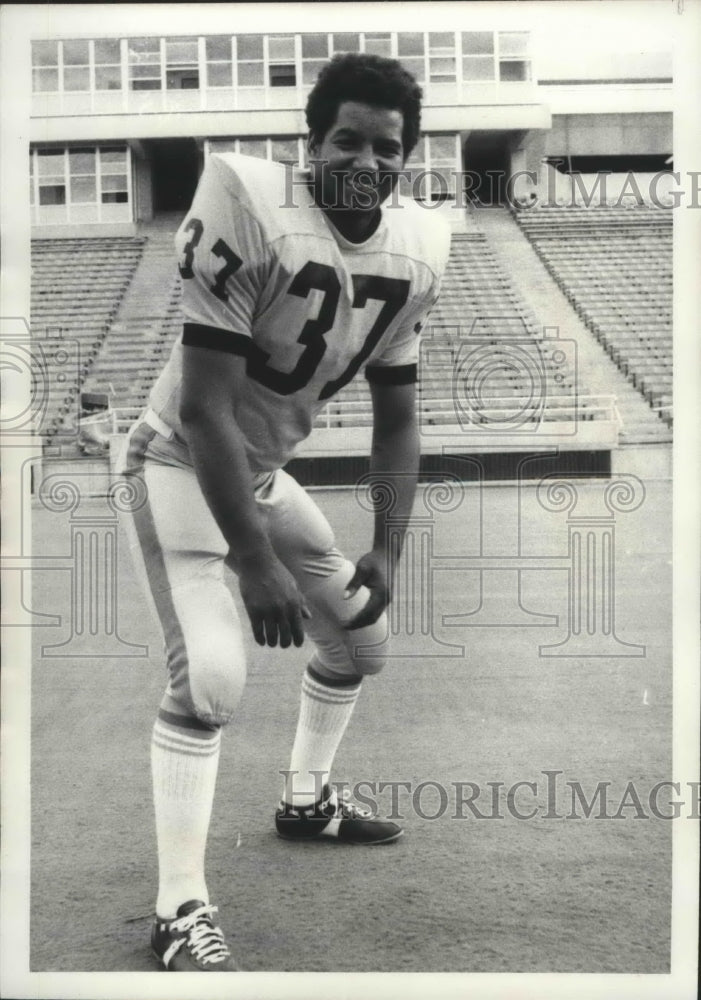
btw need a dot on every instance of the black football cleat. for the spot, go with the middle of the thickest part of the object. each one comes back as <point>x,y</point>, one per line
<point>332,819</point>
<point>191,942</point>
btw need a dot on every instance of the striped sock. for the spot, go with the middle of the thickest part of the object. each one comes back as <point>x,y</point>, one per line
<point>184,762</point>
<point>325,710</point>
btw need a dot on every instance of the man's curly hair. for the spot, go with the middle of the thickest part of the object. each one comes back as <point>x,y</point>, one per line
<point>367,79</point>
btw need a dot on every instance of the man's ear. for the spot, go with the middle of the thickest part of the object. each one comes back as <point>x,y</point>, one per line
<point>312,146</point>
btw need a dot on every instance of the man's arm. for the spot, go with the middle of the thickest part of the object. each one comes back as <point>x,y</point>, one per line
<point>394,460</point>
<point>269,592</point>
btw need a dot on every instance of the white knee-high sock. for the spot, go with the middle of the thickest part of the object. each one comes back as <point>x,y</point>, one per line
<point>184,763</point>
<point>325,709</point>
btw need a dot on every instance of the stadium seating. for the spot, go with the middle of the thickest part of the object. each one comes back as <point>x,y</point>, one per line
<point>615,267</point>
<point>77,287</point>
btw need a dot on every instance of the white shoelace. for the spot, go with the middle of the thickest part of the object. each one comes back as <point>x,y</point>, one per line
<point>349,810</point>
<point>206,941</point>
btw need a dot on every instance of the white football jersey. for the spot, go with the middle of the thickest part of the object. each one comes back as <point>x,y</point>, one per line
<point>268,277</point>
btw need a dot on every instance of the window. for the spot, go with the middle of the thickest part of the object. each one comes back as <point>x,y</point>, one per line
<point>83,175</point>
<point>315,53</point>
<point>378,42</point>
<point>513,43</point>
<point>477,56</point>
<point>514,66</point>
<point>315,46</point>
<point>44,67</point>
<point>281,59</point>
<point>250,60</point>
<point>113,175</point>
<point>410,51</point>
<point>441,48</point>
<point>108,69</point>
<point>51,170</point>
<point>144,64</point>
<point>76,66</point>
<point>345,41</point>
<point>410,43</point>
<point>219,62</point>
<point>282,75</point>
<point>182,71</point>
<point>513,71</point>
<point>285,151</point>
<point>254,147</point>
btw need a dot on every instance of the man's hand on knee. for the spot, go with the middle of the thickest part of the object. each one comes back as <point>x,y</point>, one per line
<point>275,606</point>
<point>372,572</point>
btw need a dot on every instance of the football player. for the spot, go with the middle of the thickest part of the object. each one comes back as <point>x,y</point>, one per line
<point>289,290</point>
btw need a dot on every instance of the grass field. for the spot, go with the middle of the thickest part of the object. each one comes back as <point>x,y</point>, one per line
<point>454,894</point>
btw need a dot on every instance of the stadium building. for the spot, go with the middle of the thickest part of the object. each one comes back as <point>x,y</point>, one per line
<point>553,166</point>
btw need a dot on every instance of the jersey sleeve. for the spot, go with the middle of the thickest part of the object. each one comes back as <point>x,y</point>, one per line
<point>222,260</point>
<point>397,365</point>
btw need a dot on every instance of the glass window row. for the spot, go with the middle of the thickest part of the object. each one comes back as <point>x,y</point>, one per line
<point>219,61</point>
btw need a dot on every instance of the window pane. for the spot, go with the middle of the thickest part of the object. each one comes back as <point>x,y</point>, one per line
<point>184,50</point>
<point>44,53</point>
<point>442,147</point>
<point>282,76</point>
<point>219,75</point>
<point>83,189</point>
<point>281,48</point>
<point>107,50</point>
<point>114,197</point>
<point>45,79</point>
<point>112,158</point>
<point>218,47</point>
<point>75,53</point>
<point>441,39</point>
<point>346,42</point>
<point>250,74</point>
<point>76,79</point>
<point>117,182</point>
<point>108,78</point>
<point>144,72</point>
<point>513,43</point>
<point>442,67</point>
<point>182,79</point>
<point>250,47</point>
<point>410,43</point>
<point>513,72</point>
<point>254,147</point>
<point>81,161</point>
<point>415,67</point>
<point>310,70</point>
<point>145,84</point>
<point>285,150</point>
<point>143,46</point>
<point>315,45</point>
<point>477,43</point>
<point>54,194</point>
<point>477,68</point>
<point>378,46</point>
<point>51,164</point>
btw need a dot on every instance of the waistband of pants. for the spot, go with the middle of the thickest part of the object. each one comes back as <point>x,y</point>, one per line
<point>160,426</point>
<point>262,481</point>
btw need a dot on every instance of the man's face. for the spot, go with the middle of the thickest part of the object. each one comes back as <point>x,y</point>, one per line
<point>355,165</point>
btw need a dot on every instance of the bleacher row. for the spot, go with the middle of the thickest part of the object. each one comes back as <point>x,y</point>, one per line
<point>77,286</point>
<point>615,267</point>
